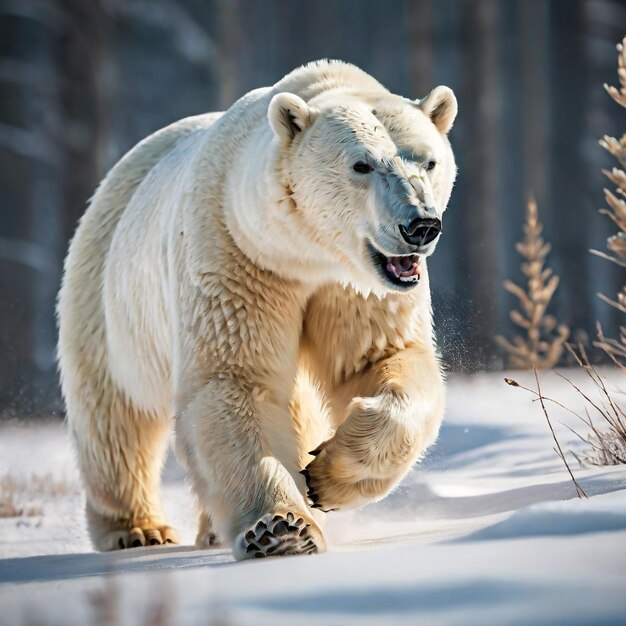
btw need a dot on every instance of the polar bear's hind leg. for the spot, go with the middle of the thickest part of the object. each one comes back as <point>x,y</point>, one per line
<point>120,446</point>
<point>120,451</point>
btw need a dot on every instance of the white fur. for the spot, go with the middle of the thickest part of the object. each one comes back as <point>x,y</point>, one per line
<point>220,275</point>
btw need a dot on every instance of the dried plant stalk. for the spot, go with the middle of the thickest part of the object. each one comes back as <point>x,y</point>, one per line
<point>608,445</point>
<point>544,339</point>
<point>615,349</point>
<point>616,211</point>
<point>580,492</point>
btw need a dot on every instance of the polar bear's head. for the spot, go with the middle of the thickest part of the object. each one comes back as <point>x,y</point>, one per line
<point>370,177</point>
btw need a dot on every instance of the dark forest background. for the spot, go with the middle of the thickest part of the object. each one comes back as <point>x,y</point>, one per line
<point>81,81</point>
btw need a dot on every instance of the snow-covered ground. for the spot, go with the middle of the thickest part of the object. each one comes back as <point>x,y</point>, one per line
<point>488,530</point>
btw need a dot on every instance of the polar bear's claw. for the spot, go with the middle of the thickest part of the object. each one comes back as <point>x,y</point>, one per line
<point>311,494</point>
<point>137,538</point>
<point>276,535</point>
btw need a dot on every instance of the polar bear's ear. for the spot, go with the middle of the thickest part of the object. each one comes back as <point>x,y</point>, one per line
<point>289,115</point>
<point>441,106</point>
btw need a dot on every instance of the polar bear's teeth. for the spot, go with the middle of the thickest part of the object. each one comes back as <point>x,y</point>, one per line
<point>403,266</point>
<point>409,279</point>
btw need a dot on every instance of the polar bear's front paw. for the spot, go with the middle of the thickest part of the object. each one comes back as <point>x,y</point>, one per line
<point>276,535</point>
<point>370,452</point>
<point>324,491</point>
<point>337,480</point>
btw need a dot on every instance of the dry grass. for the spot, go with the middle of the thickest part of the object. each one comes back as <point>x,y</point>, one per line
<point>606,443</point>
<point>544,339</point>
<point>20,497</point>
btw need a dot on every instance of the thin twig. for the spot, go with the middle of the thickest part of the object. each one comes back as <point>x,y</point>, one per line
<point>513,383</point>
<point>582,393</point>
<point>579,490</point>
<point>575,433</point>
<point>583,361</point>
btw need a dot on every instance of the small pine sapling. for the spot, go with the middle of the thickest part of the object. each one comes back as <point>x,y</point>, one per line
<point>543,344</point>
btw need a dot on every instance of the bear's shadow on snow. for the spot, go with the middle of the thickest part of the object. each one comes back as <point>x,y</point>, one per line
<point>420,501</point>
<point>457,439</point>
<point>66,566</point>
<point>566,518</point>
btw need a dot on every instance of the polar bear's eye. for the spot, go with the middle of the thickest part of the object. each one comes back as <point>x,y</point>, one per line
<point>362,167</point>
<point>430,165</point>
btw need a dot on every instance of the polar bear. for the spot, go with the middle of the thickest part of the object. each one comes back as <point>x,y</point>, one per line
<point>256,280</point>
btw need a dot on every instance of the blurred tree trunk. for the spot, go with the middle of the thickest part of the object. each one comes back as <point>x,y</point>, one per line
<point>19,259</point>
<point>480,213</point>
<point>43,117</point>
<point>229,42</point>
<point>81,59</point>
<point>420,45</point>
<point>569,231</point>
<point>535,112</point>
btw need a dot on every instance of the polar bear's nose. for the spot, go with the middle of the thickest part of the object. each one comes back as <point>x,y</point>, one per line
<point>420,231</point>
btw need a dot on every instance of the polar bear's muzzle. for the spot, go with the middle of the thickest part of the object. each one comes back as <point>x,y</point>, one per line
<point>402,272</point>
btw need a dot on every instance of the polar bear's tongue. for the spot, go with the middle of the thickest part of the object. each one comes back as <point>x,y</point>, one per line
<point>403,265</point>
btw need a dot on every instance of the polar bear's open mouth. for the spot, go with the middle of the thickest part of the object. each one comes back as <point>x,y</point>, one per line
<point>400,271</point>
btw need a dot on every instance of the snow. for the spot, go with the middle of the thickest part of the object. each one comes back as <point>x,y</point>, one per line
<point>487,530</point>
